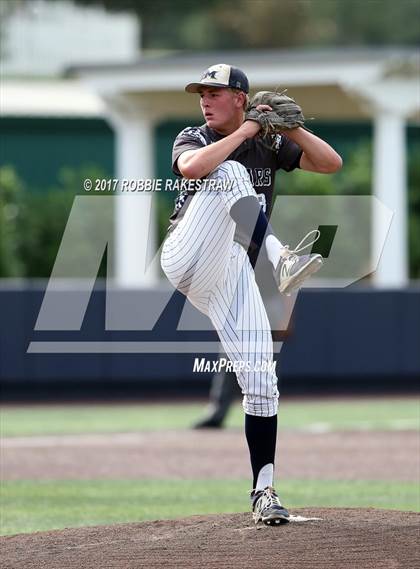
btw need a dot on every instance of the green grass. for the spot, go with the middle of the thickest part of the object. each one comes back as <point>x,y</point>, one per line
<point>371,414</point>
<point>35,506</point>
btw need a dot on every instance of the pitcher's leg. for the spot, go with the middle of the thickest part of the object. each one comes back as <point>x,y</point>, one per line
<point>196,253</point>
<point>238,314</point>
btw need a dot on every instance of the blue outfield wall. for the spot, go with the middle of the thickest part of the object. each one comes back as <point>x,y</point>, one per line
<point>338,339</point>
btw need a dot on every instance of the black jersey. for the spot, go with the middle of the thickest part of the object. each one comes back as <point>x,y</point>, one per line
<point>259,158</point>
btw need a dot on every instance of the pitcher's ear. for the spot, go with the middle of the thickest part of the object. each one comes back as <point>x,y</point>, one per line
<point>242,98</point>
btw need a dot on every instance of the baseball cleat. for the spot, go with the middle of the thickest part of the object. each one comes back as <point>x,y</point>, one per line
<point>294,269</point>
<point>266,507</point>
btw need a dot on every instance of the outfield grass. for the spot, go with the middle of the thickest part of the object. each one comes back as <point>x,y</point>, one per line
<point>354,414</point>
<point>34,506</point>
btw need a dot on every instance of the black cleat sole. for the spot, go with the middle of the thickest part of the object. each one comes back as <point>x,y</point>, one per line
<point>276,522</point>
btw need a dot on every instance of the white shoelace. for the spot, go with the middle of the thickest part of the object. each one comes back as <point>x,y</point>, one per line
<point>266,500</point>
<point>288,262</point>
<point>300,246</point>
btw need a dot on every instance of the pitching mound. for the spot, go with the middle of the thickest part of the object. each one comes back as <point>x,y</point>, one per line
<point>344,539</point>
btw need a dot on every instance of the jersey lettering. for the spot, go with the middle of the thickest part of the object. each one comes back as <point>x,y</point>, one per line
<point>260,177</point>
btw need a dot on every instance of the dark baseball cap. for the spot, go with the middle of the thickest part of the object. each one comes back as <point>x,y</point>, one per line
<point>221,75</point>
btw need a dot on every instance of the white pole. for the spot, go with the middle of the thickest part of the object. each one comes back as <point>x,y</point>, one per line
<point>135,229</point>
<point>390,187</point>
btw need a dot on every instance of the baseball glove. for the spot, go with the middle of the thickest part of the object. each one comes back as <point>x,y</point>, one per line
<point>285,115</point>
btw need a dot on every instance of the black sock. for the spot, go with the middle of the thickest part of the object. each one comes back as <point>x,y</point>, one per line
<point>261,435</point>
<point>251,220</point>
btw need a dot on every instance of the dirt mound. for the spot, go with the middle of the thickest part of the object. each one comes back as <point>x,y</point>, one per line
<point>344,539</point>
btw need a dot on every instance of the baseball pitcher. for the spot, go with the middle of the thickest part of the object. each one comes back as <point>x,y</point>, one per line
<point>234,157</point>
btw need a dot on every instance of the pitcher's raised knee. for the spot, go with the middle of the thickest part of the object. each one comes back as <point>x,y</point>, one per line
<point>231,169</point>
<point>232,182</point>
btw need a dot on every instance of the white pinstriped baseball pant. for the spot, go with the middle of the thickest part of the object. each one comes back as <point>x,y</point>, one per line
<point>202,261</point>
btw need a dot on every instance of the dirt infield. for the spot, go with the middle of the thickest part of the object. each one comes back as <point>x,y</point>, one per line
<point>193,454</point>
<point>344,539</point>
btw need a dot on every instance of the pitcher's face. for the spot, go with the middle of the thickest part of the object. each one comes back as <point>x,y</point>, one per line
<point>220,106</point>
